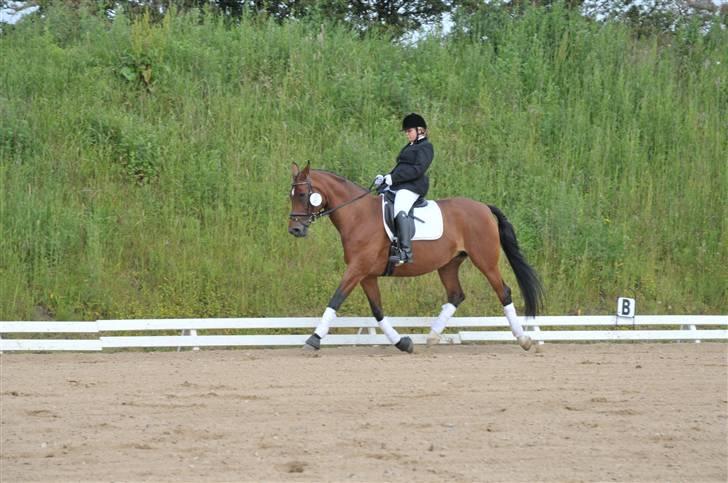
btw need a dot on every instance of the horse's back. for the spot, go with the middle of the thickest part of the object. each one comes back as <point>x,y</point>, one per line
<point>469,221</point>
<point>462,206</point>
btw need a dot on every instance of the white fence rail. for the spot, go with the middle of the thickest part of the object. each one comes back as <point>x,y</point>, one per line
<point>99,335</point>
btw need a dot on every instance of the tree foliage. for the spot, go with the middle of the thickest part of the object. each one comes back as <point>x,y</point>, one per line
<point>397,18</point>
<point>390,17</point>
<point>656,16</point>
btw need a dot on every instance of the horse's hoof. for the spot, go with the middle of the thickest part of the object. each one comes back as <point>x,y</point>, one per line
<point>313,343</point>
<point>405,344</point>
<point>525,342</point>
<point>433,339</point>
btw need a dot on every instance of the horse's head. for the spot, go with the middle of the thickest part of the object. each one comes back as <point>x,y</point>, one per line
<point>306,203</point>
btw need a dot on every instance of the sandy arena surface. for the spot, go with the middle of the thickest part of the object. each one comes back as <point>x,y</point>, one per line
<point>597,412</point>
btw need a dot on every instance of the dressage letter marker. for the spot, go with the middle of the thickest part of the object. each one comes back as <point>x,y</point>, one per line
<point>625,307</point>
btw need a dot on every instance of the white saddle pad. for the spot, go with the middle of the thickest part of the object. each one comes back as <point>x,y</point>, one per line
<point>430,228</point>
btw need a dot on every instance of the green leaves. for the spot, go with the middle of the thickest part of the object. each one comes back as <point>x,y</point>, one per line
<point>138,71</point>
<point>129,73</point>
<point>144,165</point>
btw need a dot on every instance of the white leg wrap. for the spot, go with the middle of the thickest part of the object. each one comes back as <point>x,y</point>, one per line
<point>439,325</point>
<point>323,327</point>
<point>389,331</point>
<point>516,328</point>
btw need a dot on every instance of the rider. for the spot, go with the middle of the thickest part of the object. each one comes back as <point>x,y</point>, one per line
<point>408,180</point>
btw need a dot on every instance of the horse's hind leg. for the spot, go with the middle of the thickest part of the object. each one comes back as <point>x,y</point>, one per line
<point>455,296</point>
<point>488,265</point>
<point>371,289</point>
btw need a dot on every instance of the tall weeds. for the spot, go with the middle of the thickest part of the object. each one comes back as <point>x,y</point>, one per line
<point>144,168</point>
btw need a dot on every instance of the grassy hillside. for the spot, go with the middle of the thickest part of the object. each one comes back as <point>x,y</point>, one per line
<point>144,168</point>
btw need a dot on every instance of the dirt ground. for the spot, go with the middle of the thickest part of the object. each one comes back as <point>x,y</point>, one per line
<point>574,412</point>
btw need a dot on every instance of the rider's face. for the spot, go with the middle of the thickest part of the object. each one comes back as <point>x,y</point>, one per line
<point>411,134</point>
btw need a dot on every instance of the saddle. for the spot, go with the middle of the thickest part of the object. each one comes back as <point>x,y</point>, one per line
<point>426,213</point>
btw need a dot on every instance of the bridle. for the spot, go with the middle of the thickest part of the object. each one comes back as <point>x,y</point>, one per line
<point>310,216</point>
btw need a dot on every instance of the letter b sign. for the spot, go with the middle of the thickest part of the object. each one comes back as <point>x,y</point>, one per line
<point>625,307</point>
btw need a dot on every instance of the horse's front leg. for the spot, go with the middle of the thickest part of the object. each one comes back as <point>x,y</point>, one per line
<point>371,289</point>
<point>352,276</point>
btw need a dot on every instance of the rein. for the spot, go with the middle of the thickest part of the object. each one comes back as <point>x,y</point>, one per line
<point>311,216</point>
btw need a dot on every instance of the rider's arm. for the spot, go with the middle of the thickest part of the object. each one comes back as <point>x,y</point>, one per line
<point>413,164</point>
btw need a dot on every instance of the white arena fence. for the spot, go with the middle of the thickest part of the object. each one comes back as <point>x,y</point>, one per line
<point>100,335</point>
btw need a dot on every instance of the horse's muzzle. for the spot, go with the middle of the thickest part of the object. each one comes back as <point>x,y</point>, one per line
<point>299,230</point>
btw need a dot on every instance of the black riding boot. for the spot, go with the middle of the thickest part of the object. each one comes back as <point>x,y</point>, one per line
<point>405,231</point>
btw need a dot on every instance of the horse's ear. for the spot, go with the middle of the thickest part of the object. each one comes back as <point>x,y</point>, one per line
<point>294,169</point>
<point>306,170</point>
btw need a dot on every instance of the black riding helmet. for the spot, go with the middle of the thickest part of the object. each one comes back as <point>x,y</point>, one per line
<point>413,121</point>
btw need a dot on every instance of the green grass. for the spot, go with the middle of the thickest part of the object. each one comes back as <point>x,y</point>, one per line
<point>144,168</point>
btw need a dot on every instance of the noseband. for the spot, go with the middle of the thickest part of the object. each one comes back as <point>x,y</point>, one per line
<point>310,216</point>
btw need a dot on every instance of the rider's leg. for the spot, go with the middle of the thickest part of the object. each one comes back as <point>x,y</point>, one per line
<point>403,202</point>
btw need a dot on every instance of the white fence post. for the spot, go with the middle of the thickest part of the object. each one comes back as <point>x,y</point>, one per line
<point>690,327</point>
<point>190,332</point>
<point>370,331</point>
<point>536,328</point>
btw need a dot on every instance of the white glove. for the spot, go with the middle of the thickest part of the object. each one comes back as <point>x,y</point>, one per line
<point>388,180</point>
<point>378,180</point>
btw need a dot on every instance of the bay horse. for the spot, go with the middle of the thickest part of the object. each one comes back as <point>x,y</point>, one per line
<point>471,230</point>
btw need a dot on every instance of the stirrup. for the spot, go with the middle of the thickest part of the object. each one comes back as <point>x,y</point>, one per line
<point>401,259</point>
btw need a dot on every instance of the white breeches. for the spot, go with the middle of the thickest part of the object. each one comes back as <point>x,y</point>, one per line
<point>404,200</point>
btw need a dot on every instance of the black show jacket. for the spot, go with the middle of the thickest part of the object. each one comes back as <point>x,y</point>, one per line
<point>412,162</point>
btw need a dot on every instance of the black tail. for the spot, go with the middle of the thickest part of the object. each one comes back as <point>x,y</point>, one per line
<point>528,280</point>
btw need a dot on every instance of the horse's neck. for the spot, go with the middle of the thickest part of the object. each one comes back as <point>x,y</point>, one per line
<point>338,193</point>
